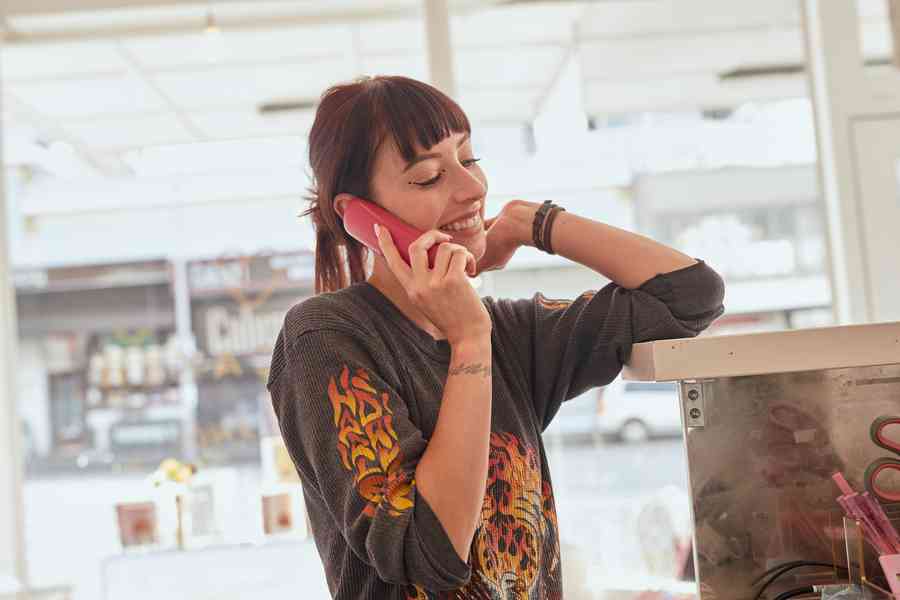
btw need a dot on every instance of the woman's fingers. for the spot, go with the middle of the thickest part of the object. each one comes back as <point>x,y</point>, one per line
<point>460,261</point>
<point>392,256</point>
<point>442,260</point>
<point>418,250</point>
<point>471,264</point>
<point>448,258</point>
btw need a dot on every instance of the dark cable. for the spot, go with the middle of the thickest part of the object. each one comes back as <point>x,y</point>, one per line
<point>773,569</point>
<point>777,572</point>
<point>796,592</point>
<point>792,564</point>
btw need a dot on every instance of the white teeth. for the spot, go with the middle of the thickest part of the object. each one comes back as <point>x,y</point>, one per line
<point>463,224</point>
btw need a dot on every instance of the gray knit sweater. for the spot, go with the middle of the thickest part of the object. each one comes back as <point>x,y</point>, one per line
<point>356,387</point>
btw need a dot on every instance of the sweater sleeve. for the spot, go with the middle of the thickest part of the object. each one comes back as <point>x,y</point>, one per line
<point>349,435</point>
<point>575,345</point>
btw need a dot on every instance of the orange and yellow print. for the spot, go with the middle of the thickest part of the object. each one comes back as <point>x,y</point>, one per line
<point>367,442</point>
<point>517,538</point>
<point>551,304</point>
<point>518,519</point>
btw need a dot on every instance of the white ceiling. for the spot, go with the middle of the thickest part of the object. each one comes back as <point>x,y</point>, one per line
<point>110,84</point>
<point>109,93</point>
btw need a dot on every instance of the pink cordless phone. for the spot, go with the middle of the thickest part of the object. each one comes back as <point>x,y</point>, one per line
<point>360,217</point>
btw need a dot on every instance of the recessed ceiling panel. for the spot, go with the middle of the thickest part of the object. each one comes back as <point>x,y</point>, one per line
<point>223,87</point>
<point>32,62</point>
<point>117,134</point>
<point>89,97</point>
<point>226,47</point>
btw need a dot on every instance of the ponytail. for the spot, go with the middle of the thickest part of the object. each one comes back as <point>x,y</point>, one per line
<point>335,250</point>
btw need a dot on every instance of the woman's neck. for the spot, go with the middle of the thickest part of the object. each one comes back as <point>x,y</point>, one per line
<point>384,280</point>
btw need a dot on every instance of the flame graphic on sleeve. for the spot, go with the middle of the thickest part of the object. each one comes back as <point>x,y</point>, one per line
<point>367,442</point>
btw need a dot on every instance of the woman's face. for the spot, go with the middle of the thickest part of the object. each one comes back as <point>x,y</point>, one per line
<point>443,185</point>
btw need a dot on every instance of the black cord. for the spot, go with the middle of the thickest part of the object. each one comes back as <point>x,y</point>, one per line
<point>796,563</point>
<point>784,570</point>
<point>775,568</point>
<point>777,572</point>
<point>796,592</point>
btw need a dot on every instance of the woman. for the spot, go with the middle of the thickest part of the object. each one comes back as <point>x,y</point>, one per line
<point>412,408</point>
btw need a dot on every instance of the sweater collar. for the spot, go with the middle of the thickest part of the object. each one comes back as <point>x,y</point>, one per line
<point>422,339</point>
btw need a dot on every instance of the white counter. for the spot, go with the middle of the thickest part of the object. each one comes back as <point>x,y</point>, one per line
<point>758,353</point>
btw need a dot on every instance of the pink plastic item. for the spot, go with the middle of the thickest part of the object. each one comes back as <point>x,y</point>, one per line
<point>891,565</point>
<point>360,217</point>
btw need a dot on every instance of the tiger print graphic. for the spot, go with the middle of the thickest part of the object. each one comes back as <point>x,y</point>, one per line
<point>517,516</point>
<point>367,442</point>
<point>517,541</point>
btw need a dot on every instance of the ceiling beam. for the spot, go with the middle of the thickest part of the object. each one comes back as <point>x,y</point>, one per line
<point>13,36</point>
<point>188,25</point>
<point>17,8</point>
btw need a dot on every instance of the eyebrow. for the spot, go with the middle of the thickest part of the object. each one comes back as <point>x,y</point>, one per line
<point>422,157</point>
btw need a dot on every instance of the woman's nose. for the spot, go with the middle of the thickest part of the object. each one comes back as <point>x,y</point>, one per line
<point>467,185</point>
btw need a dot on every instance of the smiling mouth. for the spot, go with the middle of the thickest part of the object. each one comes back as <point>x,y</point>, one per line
<point>464,226</point>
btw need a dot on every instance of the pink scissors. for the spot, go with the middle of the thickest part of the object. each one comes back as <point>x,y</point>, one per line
<point>882,465</point>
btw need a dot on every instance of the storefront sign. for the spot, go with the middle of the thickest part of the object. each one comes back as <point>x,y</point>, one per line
<point>242,332</point>
<point>91,277</point>
<point>248,275</point>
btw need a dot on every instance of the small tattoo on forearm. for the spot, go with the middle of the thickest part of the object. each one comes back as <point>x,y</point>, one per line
<point>473,369</point>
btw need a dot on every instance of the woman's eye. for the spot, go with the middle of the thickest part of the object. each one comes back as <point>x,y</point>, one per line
<point>431,181</point>
<point>466,163</point>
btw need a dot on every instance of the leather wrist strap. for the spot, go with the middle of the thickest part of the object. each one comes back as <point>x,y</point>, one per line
<point>542,225</point>
<point>548,228</point>
<point>537,228</point>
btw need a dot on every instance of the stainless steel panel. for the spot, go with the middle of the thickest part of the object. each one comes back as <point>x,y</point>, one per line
<point>761,464</point>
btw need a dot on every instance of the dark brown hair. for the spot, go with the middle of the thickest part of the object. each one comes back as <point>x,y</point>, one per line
<point>352,121</point>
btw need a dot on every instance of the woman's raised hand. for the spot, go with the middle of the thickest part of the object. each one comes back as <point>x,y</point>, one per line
<point>442,293</point>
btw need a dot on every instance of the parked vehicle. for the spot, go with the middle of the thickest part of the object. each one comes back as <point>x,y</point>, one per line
<point>626,411</point>
<point>576,420</point>
<point>634,411</point>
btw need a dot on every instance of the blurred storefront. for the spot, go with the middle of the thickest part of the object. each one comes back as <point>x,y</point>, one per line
<point>98,378</point>
<point>237,306</point>
<point>106,383</point>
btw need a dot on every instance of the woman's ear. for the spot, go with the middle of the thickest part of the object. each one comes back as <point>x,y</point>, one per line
<point>339,202</point>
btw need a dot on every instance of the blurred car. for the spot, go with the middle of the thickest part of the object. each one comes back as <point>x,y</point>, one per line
<point>576,420</point>
<point>634,411</point>
<point>626,411</point>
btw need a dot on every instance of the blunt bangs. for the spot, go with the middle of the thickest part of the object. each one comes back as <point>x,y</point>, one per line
<point>409,112</point>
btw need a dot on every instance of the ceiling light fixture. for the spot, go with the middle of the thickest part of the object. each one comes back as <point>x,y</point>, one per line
<point>212,27</point>
<point>215,51</point>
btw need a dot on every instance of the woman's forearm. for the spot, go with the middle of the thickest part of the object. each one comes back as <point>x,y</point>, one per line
<point>626,258</point>
<point>452,472</point>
